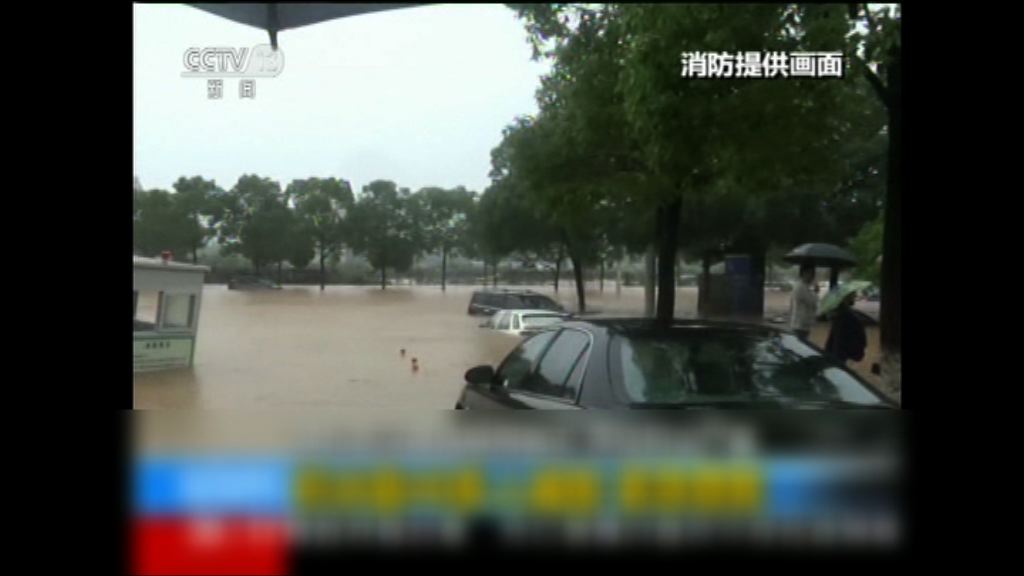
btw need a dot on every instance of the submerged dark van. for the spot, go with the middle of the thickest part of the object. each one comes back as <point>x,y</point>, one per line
<point>487,302</point>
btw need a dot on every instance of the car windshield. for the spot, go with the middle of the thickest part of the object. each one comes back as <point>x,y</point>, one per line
<point>538,302</point>
<point>540,320</point>
<point>701,367</point>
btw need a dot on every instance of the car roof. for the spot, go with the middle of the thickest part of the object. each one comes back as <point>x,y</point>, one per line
<point>649,325</point>
<point>534,311</point>
<point>502,291</point>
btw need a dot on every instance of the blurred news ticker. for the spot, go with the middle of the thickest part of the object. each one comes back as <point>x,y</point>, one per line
<point>259,493</point>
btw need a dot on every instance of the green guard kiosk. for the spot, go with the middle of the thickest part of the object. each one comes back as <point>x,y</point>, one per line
<point>166,305</point>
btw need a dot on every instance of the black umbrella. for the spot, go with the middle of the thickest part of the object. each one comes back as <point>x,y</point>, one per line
<point>817,254</point>
<point>274,17</point>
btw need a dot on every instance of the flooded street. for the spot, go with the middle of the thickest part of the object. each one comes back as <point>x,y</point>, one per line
<point>300,347</point>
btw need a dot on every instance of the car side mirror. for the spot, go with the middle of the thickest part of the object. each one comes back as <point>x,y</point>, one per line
<point>483,374</point>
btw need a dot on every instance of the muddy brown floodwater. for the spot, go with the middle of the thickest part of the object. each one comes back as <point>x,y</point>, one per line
<point>340,348</point>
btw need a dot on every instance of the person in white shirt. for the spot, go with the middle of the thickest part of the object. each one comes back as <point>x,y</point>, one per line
<point>803,307</point>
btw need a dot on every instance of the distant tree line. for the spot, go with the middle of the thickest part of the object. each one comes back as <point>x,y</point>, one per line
<point>309,220</point>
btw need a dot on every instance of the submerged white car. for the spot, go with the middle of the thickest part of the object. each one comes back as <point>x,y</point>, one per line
<point>523,322</point>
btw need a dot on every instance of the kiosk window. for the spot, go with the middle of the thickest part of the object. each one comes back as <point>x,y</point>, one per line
<point>178,310</point>
<point>146,311</point>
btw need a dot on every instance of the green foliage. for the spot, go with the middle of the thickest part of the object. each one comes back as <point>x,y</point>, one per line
<point>301,244</point>
<point>256,221</point>
<point>160,224</point>
<point>444,217</point>
<point>867,247</point>
<point>385,226</point>
<point>754,161</point>
<point>322,205</point>
<point>199,200</point>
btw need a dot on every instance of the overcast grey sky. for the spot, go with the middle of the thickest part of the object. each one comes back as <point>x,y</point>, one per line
<point>417,95</point>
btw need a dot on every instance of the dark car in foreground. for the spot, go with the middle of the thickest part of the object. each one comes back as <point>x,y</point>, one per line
<point>633,363</point>
<point>252,283</point>
<point>487,302</point>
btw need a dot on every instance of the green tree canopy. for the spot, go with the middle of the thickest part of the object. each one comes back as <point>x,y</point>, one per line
<point>718,162</point>
<point>867,248</point>
<point>322,205</point>
<point>385,227</point>
<point>199,199</point>
<point>256,221</point>
<point>301,244</point>
<point>444,217</point>
<point>160,224</point>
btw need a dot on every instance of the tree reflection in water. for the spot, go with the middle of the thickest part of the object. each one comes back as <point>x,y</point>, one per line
<point>723,367</point>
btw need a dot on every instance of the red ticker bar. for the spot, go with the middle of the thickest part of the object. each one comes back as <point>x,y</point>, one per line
<point>210,546</point>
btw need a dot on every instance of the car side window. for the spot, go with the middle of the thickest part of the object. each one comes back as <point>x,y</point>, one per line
<point>520,362</point>
<point>558,363</point>
<point>515,322</point>
<point>502,323</point>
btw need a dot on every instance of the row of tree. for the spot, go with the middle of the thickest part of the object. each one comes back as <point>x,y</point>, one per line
<point>309,219</point>
<point>316,218</point>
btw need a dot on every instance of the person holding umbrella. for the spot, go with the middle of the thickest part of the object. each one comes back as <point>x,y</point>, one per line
<point>805,295</point>
<point>803,305</point>
<point>847,338</point>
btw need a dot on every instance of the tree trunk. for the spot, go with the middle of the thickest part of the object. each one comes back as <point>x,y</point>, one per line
<point>383,278</point>
<point>669,239</point>
<point>889,312</point>
<point>650,277</point>
<point>485,272</point>
<point>602,276</point>
<point>704,291</point>
<point>577,271</point>
<point>195,245</point>
<point>494,272</point>
<point>278,271</point>
<point>558,266</point>
<point>759,257</point>
<point>618,276</point>
<point>444,266</point>
<point>323,272</point>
